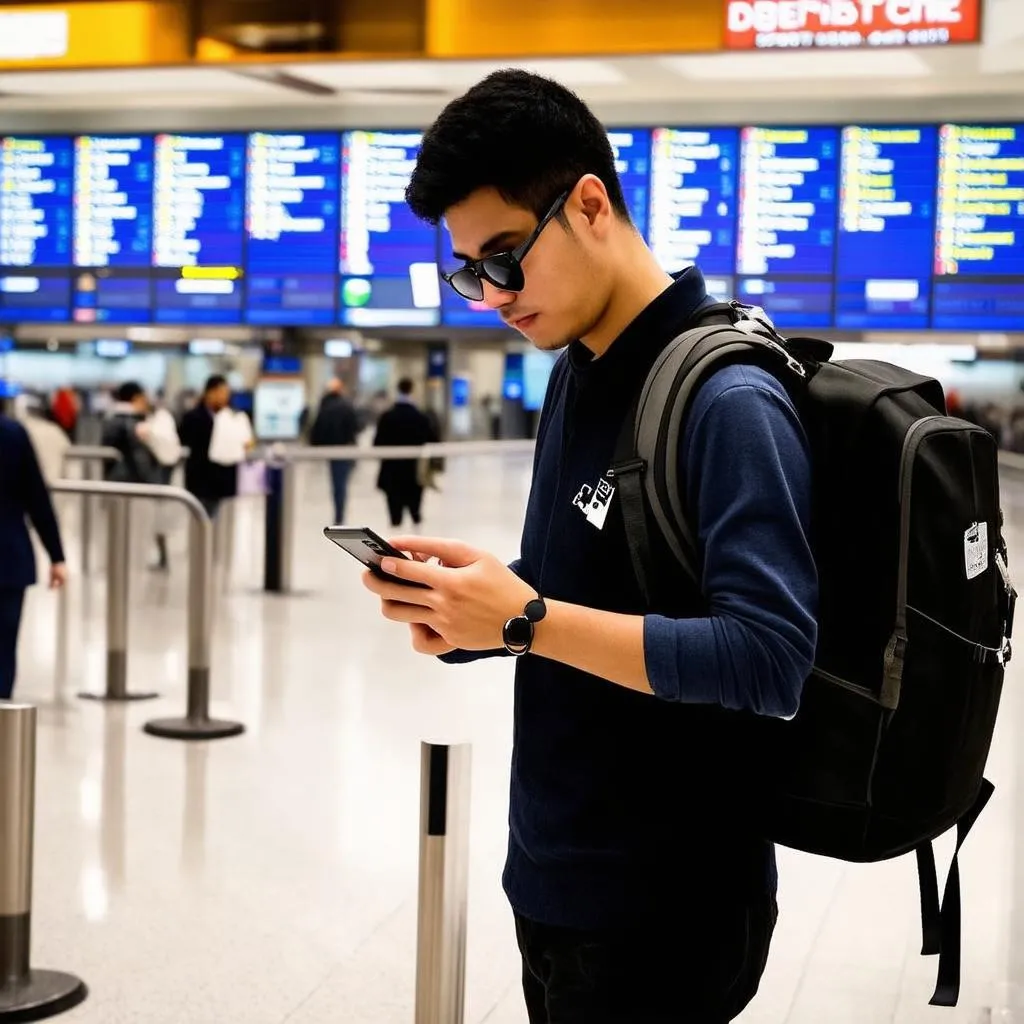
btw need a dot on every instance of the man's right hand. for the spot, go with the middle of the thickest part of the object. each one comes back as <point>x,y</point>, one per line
<point>58,576</point>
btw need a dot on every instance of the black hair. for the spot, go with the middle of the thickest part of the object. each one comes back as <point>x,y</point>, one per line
<point>405,386</point>
<point>529,137</point>
<point>218,380</point>
<point>128,391</point>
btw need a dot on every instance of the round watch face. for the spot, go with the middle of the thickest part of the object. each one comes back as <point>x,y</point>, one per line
<point>518,632</point>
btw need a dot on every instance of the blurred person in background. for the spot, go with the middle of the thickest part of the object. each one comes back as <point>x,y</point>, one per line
<point>65,407</point>
<point>148,442</point>
<point>23,498</point>
<point>50,442</point>
<point>209,481</point>
<point>336,424</point>
<point>166,446</point>
<point>403,424</point>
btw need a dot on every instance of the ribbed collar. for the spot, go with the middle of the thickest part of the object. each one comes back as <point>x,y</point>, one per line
<point>633,352</point>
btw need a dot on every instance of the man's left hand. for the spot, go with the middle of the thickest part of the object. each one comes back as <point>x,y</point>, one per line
<point>469,597</point>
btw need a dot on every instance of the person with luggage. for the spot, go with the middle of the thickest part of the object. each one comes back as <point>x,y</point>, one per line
<point>403,424</point>
<point>336,425</point>
<point>210,481</point>
<point>640,891</point>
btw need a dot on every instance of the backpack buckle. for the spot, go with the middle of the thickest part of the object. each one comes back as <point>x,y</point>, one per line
<point>636,465</point>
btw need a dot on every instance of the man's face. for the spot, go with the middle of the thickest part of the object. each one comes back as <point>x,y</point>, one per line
<point>564,291</point>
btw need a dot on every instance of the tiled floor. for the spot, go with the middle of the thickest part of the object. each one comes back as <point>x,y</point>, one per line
<point>272,877</point>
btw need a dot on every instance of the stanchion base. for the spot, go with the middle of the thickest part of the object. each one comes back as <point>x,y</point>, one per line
<point>193,729</point>
<point>42,994</point>
<point>124,698</point>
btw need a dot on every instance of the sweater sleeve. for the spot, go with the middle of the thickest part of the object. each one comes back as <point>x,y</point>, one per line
<point>745,457</point>
<point>38,503</point>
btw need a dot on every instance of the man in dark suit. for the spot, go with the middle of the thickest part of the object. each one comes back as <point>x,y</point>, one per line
<point>336,424</point>
<point>210,482</point>
<point>402,424</point>
<point>23,494</point>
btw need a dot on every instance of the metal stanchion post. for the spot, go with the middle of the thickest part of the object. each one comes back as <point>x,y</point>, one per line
<point>24,994</point>
<point>197,724</point>
<point>289,486</point>
<point>443,884</point>
<point>86,521</point>
<point>276,524</point>
<point>118,559</point>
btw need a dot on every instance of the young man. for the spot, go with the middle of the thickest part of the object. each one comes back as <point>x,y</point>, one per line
<point>640,893</point>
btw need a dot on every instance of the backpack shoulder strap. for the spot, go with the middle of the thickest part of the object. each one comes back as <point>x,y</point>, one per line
<point>646,458</point>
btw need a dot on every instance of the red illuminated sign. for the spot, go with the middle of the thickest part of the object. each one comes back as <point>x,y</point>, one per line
<point>809,24</point>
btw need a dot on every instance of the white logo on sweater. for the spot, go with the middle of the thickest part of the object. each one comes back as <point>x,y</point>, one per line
<point>594,502</point>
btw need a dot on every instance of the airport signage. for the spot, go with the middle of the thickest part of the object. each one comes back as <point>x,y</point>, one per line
<point>849,24</point>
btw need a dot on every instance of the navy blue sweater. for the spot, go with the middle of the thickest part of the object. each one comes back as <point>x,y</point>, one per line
<point>623,805</point>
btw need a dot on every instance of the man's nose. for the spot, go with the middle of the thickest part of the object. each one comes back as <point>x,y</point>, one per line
<point>497,298</point>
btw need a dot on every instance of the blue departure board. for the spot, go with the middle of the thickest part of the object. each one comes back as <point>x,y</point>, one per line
<point>632,149</point>
<point>200,222</point>
<point>979,250</point>
<point>789,180</point>
<point>113,230</point>
<point>694,196</point>
<point>292,220</point>
<point>886,227</point>
<point>388,256</point>
<point>36,214</point>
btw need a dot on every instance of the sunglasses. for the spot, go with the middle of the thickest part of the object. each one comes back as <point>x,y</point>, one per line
<point>504,270</point>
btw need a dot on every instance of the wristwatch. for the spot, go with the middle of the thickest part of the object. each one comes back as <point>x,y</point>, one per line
<point>517,634</point>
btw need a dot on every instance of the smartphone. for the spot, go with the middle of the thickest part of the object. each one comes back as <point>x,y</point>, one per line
<point>366,547</point>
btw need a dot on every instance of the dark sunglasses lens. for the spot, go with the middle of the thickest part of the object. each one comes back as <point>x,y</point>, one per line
<point>503,272</point>
<point>468,285</point>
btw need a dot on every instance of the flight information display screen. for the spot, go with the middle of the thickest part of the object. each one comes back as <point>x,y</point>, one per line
<point>694,196</point>
<point>388,256</point>
<point>886,227</point>
<point>113,228</point>
<point>200,218</point>
<point>632,149</point>
<point>979,257</point>
<point>36,215</point>
<point>292,226</point>
<point>787,222</point>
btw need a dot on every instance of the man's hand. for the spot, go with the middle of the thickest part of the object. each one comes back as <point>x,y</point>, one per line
<point>58,576</point>
<point>470,595</point>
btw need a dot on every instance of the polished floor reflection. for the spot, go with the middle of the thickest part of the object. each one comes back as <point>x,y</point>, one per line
<point>272,877</point>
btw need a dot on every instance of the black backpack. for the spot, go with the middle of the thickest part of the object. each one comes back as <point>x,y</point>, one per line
<point>888,747</point>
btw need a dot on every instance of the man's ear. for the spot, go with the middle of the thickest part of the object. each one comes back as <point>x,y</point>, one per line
<point>593,200</point>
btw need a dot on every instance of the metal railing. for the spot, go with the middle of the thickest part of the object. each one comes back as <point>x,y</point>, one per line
<point>196,723</point>
<point>287,459</point>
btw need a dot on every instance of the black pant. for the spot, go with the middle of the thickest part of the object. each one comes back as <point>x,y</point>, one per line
<point>702,969</point>
<point>400,499</point>
<point>11,602</point>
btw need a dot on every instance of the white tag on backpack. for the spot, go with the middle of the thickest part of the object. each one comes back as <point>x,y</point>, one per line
<point>976,550</point>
